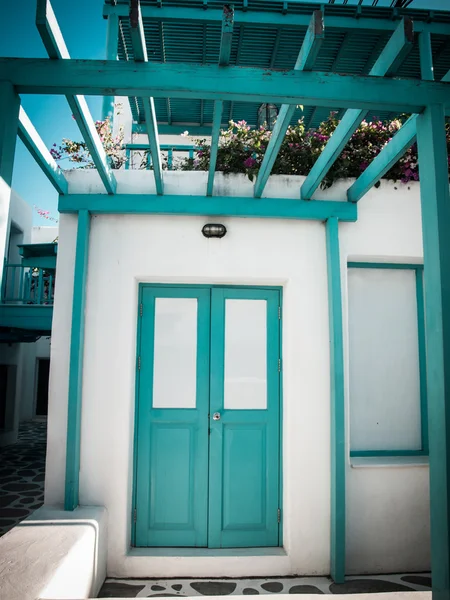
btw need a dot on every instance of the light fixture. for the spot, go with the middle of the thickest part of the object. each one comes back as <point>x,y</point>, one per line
<point>214,230</point>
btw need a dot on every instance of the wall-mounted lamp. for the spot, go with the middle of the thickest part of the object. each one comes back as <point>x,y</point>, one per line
<point>214,230</point>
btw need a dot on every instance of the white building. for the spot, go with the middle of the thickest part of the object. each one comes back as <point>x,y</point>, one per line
<point>24,351</point>
<point>242,382</point>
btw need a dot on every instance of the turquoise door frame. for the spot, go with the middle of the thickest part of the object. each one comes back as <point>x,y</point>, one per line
<point>187,450</point>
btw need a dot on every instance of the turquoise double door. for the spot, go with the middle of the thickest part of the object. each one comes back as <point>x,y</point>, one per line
<point>207,464</point>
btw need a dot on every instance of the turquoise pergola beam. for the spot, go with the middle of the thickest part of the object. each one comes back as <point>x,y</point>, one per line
<point>230,206</point>
<point>435,203</point>
<point>71,497</point>
<point>402,140</point>
<point>140,55</point>
<point>226,35</point>
<point>112,35</point>
<point>211,82</point>
<point>33,142</point>
<point>137,32</point>
<point>337,409</point>
<point>308,53</point>
<point>274,19</point>
<point>446,77</point>
<point>224,60</point>
<point>426,56</point>
<point>386,159</point>
<point>398,46</point>
<point>56,48</point>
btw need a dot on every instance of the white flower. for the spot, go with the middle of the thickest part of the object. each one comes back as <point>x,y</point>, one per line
<point>185,134</point>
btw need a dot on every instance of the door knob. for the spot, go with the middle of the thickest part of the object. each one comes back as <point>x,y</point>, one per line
<point>216,416</point>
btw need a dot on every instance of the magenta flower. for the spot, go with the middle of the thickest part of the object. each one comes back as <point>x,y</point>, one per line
<point>250,162</point>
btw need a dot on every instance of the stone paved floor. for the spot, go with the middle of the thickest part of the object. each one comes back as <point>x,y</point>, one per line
<point>146,588</point>
<point>22,473</point>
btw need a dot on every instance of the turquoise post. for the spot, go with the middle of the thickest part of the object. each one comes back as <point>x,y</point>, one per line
<point>112,37</point>
<point>9,122</point>
<point>71,500</point>
<point>337,554</point>
<point>434,192</point>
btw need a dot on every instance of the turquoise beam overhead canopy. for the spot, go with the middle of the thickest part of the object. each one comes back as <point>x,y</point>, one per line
<point>387,158</point>
<point>224,59</point>
<point>232,206</point>
<point>398,46</point>
<point>56,48</point>
<point>140,55</point>
<point>190,81</point>
<point>269,35</point>
<point>312,43</point>
<point>35,145</point>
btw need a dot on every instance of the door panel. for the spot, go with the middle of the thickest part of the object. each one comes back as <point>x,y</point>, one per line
<point>172,426</point>
<point>244,476</point>
<point>244,442</point>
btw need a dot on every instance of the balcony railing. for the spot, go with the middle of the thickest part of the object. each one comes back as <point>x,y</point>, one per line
<point>27,285</point>
<point>139,157</point>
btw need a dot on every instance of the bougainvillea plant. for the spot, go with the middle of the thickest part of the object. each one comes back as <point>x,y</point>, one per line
<point>45,214</point>
<point>241,150</point>
<point>78,153</point>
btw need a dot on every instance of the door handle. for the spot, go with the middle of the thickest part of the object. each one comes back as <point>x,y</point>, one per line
<point>216,416</point>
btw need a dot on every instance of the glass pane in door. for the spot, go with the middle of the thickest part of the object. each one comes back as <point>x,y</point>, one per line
<point>175,353</point>
<point>245,354</point>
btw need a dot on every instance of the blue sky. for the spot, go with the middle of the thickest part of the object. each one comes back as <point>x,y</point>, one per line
<point>84,31</point>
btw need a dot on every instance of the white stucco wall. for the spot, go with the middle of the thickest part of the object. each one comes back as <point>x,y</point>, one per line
<point>387,508</point>
<point>21,214</point>
<point>31,352</point>
<point>44,235</point>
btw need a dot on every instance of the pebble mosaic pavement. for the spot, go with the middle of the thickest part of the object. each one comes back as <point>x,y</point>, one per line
<point>146,588</point>
<point>22,474</point>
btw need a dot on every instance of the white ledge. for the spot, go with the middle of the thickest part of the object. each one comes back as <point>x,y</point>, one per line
<point>207,552</point>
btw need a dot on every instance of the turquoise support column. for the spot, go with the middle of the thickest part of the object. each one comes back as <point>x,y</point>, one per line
<point>76,363</point>
<point>9,122</point>
<point>337,553</point>
<point>112,38</point>
<point>434,192</point>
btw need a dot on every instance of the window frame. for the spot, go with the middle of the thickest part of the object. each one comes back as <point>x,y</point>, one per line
<point>424,449</point>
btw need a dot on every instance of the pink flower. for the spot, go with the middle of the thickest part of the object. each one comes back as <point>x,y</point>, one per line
<point>250,162</point>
